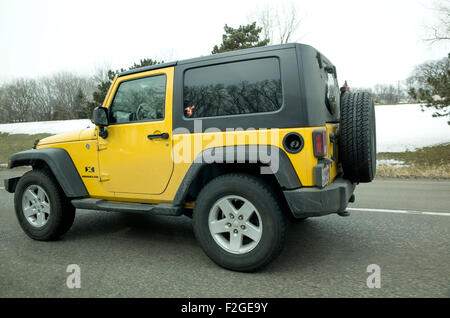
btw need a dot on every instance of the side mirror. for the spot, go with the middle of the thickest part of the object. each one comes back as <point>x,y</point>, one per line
<point>101,116</point>
<point>101,120</point>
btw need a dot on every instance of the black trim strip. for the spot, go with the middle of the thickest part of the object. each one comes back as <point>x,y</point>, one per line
<point>59,162</point>
<point>140,208</point>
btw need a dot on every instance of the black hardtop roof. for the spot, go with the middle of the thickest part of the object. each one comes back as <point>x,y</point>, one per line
<point>214,56</point>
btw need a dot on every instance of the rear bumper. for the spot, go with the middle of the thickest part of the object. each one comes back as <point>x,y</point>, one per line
<point>311,201</point>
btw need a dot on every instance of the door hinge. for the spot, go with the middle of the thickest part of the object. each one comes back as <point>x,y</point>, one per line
<point>101,146</point>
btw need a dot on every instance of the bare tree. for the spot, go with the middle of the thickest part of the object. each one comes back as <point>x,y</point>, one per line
<point>18,99</point>
<point>287,23</point>
<point>388,93</point>
<point>440,31</point>
<point>61,96</point>
<point>279,24</point>
<point>101,72</point>
<point>265,18</point>
<point>67,90</point>
<point>44,100</point>
<point>3,105</point>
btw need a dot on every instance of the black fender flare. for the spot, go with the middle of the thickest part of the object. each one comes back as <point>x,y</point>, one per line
<point>274,159</point>
<point>60,164</point>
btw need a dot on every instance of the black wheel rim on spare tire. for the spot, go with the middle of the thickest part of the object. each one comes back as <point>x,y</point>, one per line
<point>357,140</point>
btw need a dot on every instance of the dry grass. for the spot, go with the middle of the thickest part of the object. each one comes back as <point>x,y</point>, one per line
<point>10,144</point>
<point>415,171</point>
<point>428,162</point>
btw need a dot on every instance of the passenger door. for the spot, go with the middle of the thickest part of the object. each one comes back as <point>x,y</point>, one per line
<point>136,156</point>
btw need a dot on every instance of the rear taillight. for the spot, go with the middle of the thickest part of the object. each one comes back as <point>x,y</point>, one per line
<point>320,143</point>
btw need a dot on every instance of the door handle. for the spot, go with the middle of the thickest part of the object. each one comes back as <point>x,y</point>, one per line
<point>159,136</point>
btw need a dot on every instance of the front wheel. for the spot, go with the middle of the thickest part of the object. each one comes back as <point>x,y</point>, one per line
<point>239,222</point>
<point>43,211</point>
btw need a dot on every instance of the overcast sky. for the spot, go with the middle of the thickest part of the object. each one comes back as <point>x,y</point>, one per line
<point>369,41</point>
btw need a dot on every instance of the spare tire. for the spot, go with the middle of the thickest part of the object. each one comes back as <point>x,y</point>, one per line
<point>357,137</point>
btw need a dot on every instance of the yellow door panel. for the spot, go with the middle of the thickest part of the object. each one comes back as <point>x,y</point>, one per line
<point>129,161</point>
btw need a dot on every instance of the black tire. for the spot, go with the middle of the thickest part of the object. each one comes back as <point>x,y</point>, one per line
<point>274,222</point>
<point>357,139</point>
<point>62,212</point>
<point>68,217</point>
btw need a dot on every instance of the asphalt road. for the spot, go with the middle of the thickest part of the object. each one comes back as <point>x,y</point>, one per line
<point>125,255</point>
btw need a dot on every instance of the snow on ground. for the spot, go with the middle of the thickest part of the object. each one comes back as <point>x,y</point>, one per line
<point>406,127</point>
<point>49,127</point>
<point>399,128</point>
<point>392,162</point>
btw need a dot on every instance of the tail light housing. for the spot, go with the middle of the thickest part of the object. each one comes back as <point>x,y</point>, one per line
<point>321,174</point>
<point>320,143</point>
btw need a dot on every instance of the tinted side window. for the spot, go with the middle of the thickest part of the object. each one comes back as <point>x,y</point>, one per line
<point>233,88</point>
<point>139,99</point>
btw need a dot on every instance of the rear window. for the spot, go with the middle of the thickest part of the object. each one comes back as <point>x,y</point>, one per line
<point>244,87</point>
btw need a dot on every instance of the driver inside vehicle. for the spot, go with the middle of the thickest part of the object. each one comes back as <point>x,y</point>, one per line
<point>144,111</point>
<point>139,100</point>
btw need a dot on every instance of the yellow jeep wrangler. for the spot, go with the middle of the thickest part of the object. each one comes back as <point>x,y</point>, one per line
<point>242,142</point>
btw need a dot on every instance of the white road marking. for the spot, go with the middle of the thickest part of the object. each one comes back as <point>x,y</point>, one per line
<point>400,211</point>
<point>436,213</point>
<point>2,188</point>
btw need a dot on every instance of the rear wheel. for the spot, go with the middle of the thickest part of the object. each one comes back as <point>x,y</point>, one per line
<point>43,211</point>
<point>239,222</point>
<point>357,140</point>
